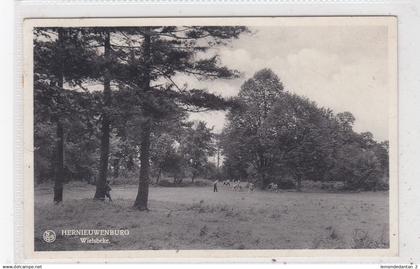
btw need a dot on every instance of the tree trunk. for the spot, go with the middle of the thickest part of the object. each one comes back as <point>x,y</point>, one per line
<point>116,167</point>
<point>262,171</point>
<point>299,184</point>
<point>158,176</point>
<point>265,181</point>
<point>103,163</point>
<point>143,190</point>
<point>218,156</point>
<point>105,128</point>
<point>59,171</point>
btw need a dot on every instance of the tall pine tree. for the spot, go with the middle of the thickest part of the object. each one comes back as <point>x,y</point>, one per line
<point>160,54</point>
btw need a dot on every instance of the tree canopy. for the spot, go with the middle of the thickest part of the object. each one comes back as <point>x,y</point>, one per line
<point>288,136</point>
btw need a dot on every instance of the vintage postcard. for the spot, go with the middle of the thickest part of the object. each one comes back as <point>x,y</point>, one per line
<point>210,139</point>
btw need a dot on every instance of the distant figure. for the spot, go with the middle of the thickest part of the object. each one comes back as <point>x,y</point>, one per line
<point>108,191</point>
<point>251,187</point>
<point>215,185</point>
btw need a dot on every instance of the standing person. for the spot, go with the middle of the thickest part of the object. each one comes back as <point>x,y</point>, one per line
<point>215,185</point>
<point>108,190</point>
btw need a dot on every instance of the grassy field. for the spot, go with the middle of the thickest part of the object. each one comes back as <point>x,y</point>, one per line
<point>197,218</point>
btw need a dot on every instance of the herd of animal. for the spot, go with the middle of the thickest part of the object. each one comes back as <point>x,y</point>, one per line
<point>237,185</point>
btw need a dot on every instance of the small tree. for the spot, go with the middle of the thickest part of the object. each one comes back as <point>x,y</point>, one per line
<point>196,146</point>
<point>245,138</point>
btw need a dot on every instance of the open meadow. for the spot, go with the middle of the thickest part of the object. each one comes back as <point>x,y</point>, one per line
<point>197,218</point>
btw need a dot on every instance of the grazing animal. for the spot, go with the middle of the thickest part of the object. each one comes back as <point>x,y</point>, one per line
<point>237,186</point>
<point>226,183</point>
<point>273,187</point>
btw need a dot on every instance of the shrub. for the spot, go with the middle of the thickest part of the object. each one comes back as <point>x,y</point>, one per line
<point>286,184</point>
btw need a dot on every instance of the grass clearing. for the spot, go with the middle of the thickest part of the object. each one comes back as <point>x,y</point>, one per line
<point>197,218</point>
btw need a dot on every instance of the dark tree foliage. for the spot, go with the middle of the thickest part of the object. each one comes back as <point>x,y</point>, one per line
<point>155,54</point>
<point>136,65</point>
<point>57,53</point>
<point>246,138</point>
<point>290,136</point>
<point>196,146</point>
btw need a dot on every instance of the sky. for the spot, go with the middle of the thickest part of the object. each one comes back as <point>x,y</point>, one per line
<point>340,67</point>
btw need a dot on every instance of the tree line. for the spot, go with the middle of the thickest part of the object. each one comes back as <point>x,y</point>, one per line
<point>280,137</point>
<point>137,100</point>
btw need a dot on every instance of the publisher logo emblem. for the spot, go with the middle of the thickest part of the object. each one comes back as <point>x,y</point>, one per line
<point>49,236</point>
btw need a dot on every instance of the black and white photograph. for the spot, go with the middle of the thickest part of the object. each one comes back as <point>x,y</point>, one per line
<point>188,134</point>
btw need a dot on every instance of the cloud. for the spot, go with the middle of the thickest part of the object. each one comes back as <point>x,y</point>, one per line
<point>358,86</point>
<point>343,68</point>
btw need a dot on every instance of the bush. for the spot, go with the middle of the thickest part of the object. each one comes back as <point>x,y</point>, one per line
<point>332,185</point>
<point>286,184</point>
<point>167,183</point>
<point>184,183</point>
<point>382,186</point>
<point>128,177</point>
